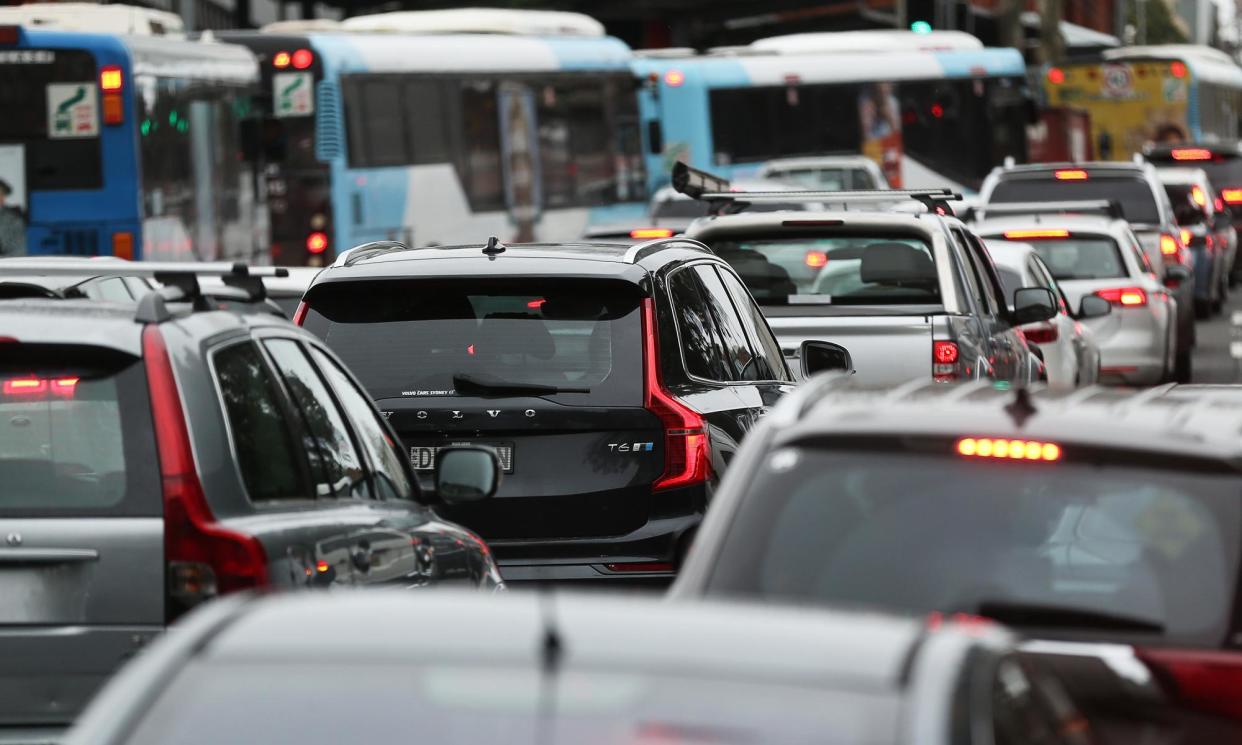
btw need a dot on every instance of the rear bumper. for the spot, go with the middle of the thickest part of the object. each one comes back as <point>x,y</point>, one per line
<point>662,541</point>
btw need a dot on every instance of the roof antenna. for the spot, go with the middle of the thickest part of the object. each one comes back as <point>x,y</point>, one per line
<point>493,248</point>
<point>1021,408</point>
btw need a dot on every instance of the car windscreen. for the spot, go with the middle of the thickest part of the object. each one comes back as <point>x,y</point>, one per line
<point>214,703</point>
<point>826,179</point>
<point>1135,196</point>
<point>1080,257</point>
<point>838,270</point>
<point>428,338</point>
<point>686,209</point>
<point>1077,543</point>
<point>75,434</point>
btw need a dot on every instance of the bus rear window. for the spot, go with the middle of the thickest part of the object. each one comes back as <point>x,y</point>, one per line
<point>51,104</point>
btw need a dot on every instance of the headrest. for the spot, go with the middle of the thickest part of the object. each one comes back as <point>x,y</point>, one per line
<point>894,263</point>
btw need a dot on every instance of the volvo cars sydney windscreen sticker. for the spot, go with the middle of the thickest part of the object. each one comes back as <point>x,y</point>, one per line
<point>72,110</point>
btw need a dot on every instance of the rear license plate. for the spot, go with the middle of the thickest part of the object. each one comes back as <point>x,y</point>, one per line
<point>423,457</point>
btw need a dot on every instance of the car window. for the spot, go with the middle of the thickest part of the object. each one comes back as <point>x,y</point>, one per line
<point>113,289</point>
<point>743,365</point>
<point>1012,280</point>
<point>701,347</point>
<point>1191,205</point>
<point>987,271</point>
<point>391,478</point>
<point>764,341</point>
<point>76,437</point>
<point>1140,255</point>
<point>337,467</point>
<point>1134,194</point>
<point>1081,257</point>
<point>257,425</point>
<point>979,286</point>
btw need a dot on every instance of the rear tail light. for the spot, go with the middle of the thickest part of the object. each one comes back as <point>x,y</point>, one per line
<point>302,59</point>
<point>987,447</point>
<point>317,243</point>
<point>686,459</point>
<point>1125,296</point>
<point>204,559</point>
<point>1056,75</point>
<point>1232,196</point>
<point>944,361</point>
<point>281,60</point>
<point>1075,174</point>
<point>1021,235</point>
<point>123,245</point>
<point>651,233</point>
<point>39,387</point>
<point>1170,248</point>
<point>1186,236</point>
<point>299,315</point>
<point>1198,196</point>
<point>112,82</point>
<point>1204,680</point>
<point>1191,153</point>
<point>1043,334</point>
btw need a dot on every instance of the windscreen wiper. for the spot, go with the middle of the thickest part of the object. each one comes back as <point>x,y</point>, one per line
<point>1017,613</point>
<point>474,385</point>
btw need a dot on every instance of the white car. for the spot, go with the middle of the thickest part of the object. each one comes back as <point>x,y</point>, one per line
<point>1071,357</point>
<point>827,173</point>
<point>1101,256</point>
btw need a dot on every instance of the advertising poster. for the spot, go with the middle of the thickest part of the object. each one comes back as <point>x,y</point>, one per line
<point>880,119</point>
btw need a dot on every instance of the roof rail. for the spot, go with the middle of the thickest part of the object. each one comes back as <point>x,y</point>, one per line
<point>637,251</point>
<point>1109,207</point>
<point>367,251</point>
<point>720,194</point>
<point>180,278</point>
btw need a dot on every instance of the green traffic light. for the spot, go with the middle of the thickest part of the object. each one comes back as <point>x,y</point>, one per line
<point>921,27</point>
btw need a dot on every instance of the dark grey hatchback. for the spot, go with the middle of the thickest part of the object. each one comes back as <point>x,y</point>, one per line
<point>155,456</point>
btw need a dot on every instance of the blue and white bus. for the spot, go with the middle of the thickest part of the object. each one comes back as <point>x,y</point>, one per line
<point>933,109</point>
<point>439,127</point>
<point>126,144</point>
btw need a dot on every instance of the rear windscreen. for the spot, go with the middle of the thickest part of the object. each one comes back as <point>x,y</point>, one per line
<point>573,340</point>
<point>1094,257</point>
<point>75,434</point>
<point>1225,172</point>
<point>51,110</point>
<point>827,179</point>
<point>1138,203</point>
<point>841,270</point>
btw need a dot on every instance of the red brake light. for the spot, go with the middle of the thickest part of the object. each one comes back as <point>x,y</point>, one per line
<point>674,78</point>
<point>1056,75</point>
<point>1129,297</point>
<point>1232,196</point>
<point>302,59</point>
<point>937,111</point>
<point>1043,334</point>
<point>1021,235</point>
<point>111,78</point>
<point>299,315</point>
<point>537,303</point>
<point>1206,680</point>
<point>1178,69</point>
<point>1197,196</point>
<point>1185,239</point>
<point>650,233</point>
<point>281,60</point>
<point>944,361</point>
<point>986,447</point>
<point>816,259</point>
<point>1191,153</point>
<point>25,387</point>
<point>317,243</point>
<point>204,559</point>
<point>1076,174</point>
<point>686,460</point>
<point>1169,245</point>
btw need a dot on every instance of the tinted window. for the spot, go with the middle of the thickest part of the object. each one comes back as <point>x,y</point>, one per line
<point>419,339</point>
<point>742,362</point>
<point>391,480</point>
<point>75,434</point>
<point>1138,203</point>
<point>841,270</point>
<point>987,270</point>
<point>427,121</point>
<point>700,340</point>
<point>1156,547</point>
<point>981,280</point>
<point>770,358</point>
<point>261,440</point>
<point>750,124</point>
<point>679,208</point>
<point>1011,280</point>
<point>1185,209</point>
<point>335,463</point>
<point>827,179</point>
<point>1081,257</point>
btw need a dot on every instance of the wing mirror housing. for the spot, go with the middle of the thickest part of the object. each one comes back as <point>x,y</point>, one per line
<point>824,356</point>
<point>466,474</point>
<point>1176,274</point>
<point>1032,305</point>
<point>1093,306</point>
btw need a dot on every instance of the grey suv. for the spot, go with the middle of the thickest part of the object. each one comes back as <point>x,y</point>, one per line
<point>155,455</point>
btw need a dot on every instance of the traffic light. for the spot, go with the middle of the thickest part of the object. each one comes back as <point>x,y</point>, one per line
<point>921,15</point>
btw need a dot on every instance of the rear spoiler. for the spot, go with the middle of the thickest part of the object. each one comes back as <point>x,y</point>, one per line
<point>180,279</point>
<point>723,198</point>
<point>1108,207</point>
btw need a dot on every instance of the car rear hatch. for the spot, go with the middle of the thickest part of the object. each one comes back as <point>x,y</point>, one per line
<point>549,372</point>
<point>81,526</point>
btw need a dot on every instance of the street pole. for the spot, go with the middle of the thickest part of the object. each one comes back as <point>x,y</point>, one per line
<point>1050,42</point>
<point>903,19</point>
<point>1140,18</point>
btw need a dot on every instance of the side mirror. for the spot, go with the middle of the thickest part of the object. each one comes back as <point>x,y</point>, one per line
<point>1033,304</point>
<point>1176,274</point>
<point>824,356</point>
<point>466,474</point>
<point>1094,306</point>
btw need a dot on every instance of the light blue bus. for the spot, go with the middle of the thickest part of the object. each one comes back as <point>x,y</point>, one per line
<point>126,145</point>
<point>446,127</point>
<point>933,109</point>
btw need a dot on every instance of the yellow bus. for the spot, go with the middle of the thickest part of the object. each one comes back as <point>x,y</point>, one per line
<point>1137,95</point>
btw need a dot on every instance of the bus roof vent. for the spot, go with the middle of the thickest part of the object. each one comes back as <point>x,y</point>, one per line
<point>479,21</point>
<point>93,18</point>
<point>879,40</point>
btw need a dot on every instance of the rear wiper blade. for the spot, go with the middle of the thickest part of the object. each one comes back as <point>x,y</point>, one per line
<point>492,387</point>
<point>1016,613</point>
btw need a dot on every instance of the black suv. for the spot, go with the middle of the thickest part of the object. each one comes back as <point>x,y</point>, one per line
<point>615,382</point>
<point>154,455</point>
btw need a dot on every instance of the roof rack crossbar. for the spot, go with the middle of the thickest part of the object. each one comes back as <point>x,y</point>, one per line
<point>1110,207</point>
<point>153,269</point>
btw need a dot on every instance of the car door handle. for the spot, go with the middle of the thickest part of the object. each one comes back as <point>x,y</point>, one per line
<point>47,555</point>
